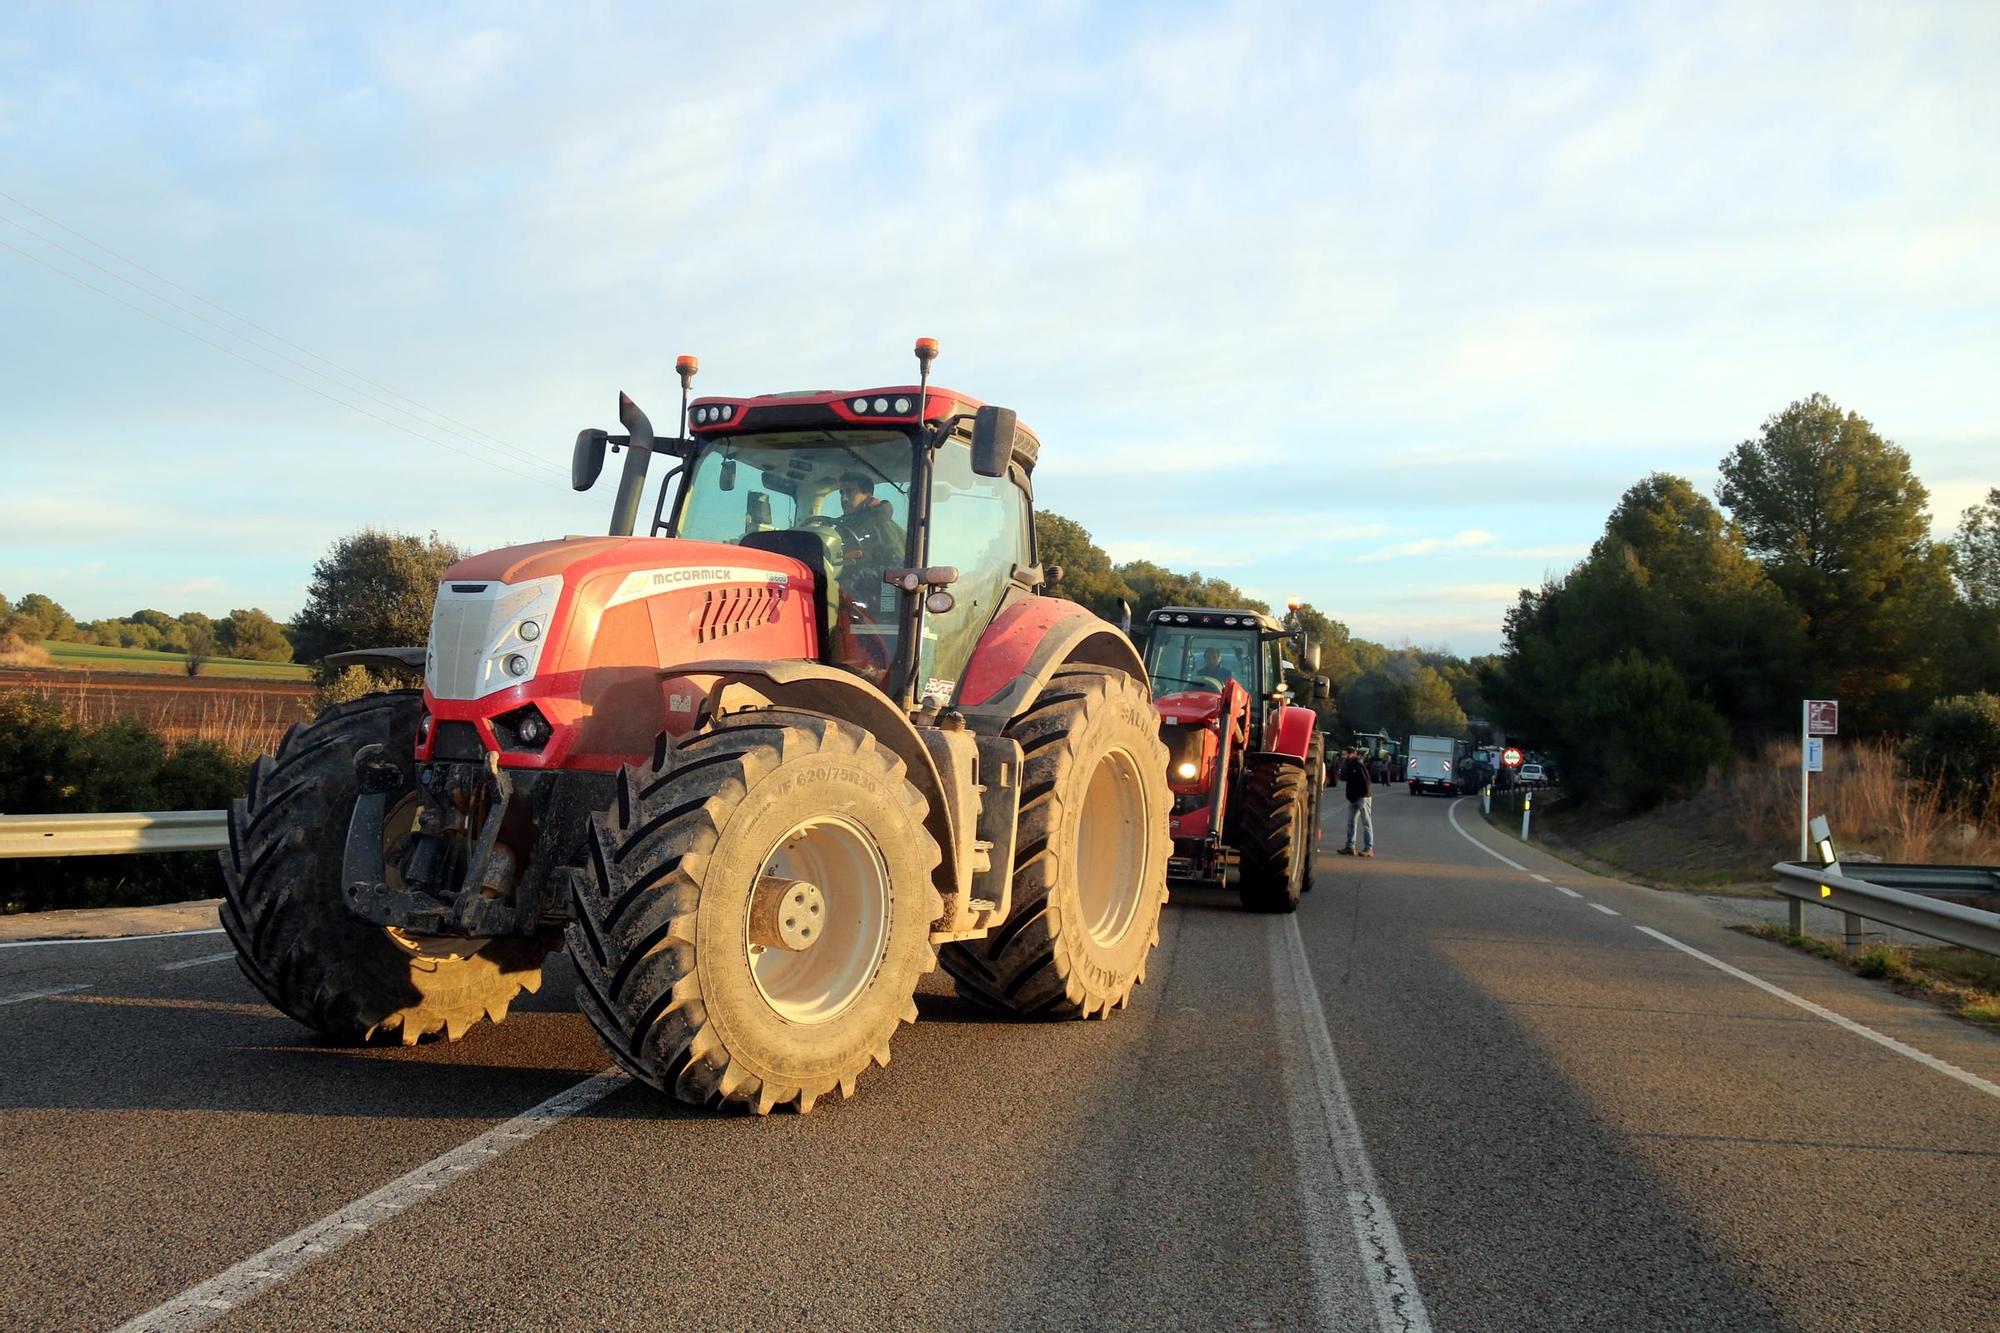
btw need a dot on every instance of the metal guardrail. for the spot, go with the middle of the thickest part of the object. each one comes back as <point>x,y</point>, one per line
<point>1919,912</point>
<point>114,835</point>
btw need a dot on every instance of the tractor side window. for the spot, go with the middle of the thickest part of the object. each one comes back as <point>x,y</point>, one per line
<point>979,526</point>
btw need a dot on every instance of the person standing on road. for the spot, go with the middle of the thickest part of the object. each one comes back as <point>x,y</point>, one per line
<point>1360,805</point>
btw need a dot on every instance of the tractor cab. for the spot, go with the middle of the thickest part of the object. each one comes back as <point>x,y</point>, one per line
<point>908,505</point>
<point>1204,662</point>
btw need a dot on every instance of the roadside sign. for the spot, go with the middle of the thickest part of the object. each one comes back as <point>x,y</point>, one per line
<point>1816,754</point>
<point>1822,717</point>
<point>1511,757</point>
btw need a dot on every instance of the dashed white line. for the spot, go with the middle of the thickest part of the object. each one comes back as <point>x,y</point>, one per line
<point>112,939</point>
<point>1924,1058</point>
<point>26,996</point>
<point>1560,889</point>
<point>202,1305</point>
<point>197,962</point>
<point>1607,911</point>
<point>1451,812</point>
<point>1543,878</point>
<point>1333,1160</point>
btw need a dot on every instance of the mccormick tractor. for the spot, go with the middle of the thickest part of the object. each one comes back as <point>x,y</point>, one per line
<point>1245,762</point>
<point>760,766</point>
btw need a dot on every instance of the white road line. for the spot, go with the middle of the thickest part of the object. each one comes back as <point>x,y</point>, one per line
<point>1451,812</point>
<point>197,962</point>
<point>1923,1058</point>
<point>1543,878</point>
<point>1333,1160</point>
<point>26,996</point>
<point>1560,889</point>
<point>203,1304</point>
<point>112,939</point>
<point>1602,908</point>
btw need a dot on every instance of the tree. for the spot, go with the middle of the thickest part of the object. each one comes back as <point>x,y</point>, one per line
<point>200,646</point>
<point>1648,737</point>
<point>1841,524</point>
<point>1975,552</point>
<point>372,589</point>
<point>1088,577</point>
<point>1956,744</point>
<point>48,616</point>
<point>250,633</point>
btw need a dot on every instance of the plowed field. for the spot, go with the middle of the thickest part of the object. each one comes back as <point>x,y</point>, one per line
<point>246,714</point>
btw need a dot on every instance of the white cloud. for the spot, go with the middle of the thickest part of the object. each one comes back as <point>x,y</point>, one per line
<point>1460,541</point>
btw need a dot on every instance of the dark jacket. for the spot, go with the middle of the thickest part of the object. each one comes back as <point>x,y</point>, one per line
<point>1355,774</point>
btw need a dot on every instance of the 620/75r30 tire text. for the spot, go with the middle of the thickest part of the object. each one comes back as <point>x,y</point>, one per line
<point>670,970</point>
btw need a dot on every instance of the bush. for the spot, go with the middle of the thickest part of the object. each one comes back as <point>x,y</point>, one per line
<point>1648,737</point>
<point>1956,744</point>
<point>55,765</point>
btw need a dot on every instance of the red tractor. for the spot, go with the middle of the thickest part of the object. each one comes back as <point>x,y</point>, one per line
<point>760,767</point>
<point>1246,762</point>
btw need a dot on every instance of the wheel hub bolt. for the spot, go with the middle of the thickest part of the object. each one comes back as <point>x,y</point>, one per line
<point>786,914</point>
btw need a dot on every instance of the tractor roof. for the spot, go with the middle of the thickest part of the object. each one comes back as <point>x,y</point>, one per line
<point>1210,617</point>
<point>892,405</point>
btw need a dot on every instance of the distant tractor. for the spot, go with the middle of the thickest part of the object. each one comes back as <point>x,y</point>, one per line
<point>1246,760</point>
<point>761,767</point>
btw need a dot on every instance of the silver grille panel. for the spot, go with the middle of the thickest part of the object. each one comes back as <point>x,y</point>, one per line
<point>472,632</point>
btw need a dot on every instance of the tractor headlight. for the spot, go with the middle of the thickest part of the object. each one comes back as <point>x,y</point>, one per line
<point>515,664</point>
<point>1187,769</point>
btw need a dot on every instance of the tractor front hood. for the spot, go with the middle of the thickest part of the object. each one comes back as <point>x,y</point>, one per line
<point>1190,708</point>
<point>579,630</point>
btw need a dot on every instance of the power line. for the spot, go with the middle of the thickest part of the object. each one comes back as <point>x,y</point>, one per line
<point>269,370</point>
<point>462,429</point>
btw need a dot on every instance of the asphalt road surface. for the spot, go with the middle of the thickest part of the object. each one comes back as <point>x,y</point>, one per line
<point>1452,1092</point>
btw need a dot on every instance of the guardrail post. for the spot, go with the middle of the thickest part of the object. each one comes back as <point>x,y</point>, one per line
<point>1486,799</point>
<point>1850,932</point>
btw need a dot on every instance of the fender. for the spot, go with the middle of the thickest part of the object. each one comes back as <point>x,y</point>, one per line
<point>1291,732</point>
<point>1026,644</point>
<point>380,659</point>
<point>814,687</point>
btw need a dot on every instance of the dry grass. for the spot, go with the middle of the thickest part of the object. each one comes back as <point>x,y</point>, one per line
<point>1964,981</point>
<point>16,652</point>
<point>1867,801</point>
<point>245,725</point>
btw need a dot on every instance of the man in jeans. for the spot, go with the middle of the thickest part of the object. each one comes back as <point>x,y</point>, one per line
<point>1360,804</point>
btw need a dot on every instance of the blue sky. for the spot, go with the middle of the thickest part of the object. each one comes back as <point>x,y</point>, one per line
<point>1380,304</point>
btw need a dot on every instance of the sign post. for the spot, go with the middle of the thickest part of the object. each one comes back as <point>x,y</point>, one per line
<point>1817,717</point>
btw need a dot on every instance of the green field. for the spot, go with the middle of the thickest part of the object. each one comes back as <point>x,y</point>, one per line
<point>94,657</point>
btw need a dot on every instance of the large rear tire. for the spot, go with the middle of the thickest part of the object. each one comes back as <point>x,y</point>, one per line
<point>296,940</point>
<point>1276,833</point>
<point>1090,865</point>
<point>668,971</point>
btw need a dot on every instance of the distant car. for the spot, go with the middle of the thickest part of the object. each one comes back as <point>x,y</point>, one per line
<point>1530,773</point>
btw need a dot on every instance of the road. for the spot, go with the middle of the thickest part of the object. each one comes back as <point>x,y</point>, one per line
<point>1451,1092</point>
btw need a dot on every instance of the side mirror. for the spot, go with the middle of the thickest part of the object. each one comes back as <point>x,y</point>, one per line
<point>1309,655</point>
<point>1125,617</point>
<point>992,440</point>
<point>1322,688</point>
<point>588,460</point>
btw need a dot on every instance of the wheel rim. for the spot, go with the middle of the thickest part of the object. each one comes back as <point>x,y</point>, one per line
<point>819,983</point>
<point>1111,847</point>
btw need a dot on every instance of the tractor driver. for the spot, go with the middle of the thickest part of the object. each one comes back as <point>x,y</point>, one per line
<point>1212,666</point>
<point>875,541</point>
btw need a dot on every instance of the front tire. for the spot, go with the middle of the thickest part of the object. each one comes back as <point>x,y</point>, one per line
<point>295,939</point>
<point>668,970</point>
<point>1091,848</point>
<point>1276,835</point>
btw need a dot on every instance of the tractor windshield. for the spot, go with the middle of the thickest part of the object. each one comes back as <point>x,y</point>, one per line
<point>1201,659</point>
<point>850,488</point>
